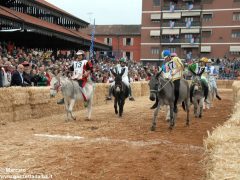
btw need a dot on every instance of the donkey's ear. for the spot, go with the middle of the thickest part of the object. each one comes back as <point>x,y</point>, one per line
<point>114,74</point>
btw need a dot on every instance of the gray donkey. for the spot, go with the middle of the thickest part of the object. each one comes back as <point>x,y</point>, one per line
<point>163,89</point>
<point>72,92</point>
<point>198,96</point>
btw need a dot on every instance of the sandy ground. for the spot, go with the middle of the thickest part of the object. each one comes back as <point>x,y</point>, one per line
<point>108,147</point>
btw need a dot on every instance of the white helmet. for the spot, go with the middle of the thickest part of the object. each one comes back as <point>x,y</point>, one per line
<point>80,52</point>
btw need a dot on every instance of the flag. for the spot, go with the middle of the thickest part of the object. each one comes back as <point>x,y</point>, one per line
<point>92,41</point>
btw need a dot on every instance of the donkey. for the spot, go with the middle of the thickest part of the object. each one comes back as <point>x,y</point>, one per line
<point>120,92</point>
<point>198,96</point>
<point>163,89</point>
<point>72,92</point>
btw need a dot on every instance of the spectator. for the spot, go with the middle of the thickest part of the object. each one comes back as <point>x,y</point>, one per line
<point>17,77</point>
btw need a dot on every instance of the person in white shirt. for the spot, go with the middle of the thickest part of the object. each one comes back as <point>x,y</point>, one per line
<point>125,79</point>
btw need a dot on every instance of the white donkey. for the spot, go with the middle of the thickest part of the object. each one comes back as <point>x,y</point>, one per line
<point>72,92</point>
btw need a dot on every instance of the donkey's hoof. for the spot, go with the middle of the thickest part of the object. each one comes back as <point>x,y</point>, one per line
<point>116,112</point>
<point>200,116</point>
<point>74,118</point>
<point>153,128</point>
<point>87,119</point>
<point>170,128</point>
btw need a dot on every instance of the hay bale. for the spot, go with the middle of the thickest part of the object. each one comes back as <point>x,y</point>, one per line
<point>39,95</point>
<point>22,112</point>
<point>222,146</point>
<point>41,110</point>
<point>5,98</point>
<point>19,96</point>
<point>100,93</point>
<point>6,114</point>
<point>144,88</point>
<point>136,89</point>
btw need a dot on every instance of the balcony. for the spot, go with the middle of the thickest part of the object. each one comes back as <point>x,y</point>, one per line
<point>170,41</point>
<point>179,7</point>
<point>172,24</point>
<point>171,15</point>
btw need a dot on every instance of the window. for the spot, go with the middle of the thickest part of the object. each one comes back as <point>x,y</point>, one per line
<point>188,36</point>
<point>236,33</point>
<point>236,16</point>
<point>128,41</point>
<point>207,17</point>
<point>206,33</point>
<point>172,49</point>
<point>236,1</point>
<point>155,50</point>
<point>108,41</point>
<point>156,2</point>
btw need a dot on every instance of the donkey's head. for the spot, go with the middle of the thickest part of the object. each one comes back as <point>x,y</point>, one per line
<point>118,80</point>
<point>197,83</point>
<point>154,84</point>
<point>55,85</point>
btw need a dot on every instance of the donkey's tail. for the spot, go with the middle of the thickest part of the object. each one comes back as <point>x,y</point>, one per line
<point>184,106</point>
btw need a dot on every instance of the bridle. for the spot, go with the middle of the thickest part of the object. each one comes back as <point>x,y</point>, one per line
<point>161,87</point>
<point>57,86</point>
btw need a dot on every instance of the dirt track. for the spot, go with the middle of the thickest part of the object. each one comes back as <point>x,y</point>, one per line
<point>111,148</point>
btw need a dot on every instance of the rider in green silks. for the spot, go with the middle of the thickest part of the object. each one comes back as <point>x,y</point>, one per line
<point>198,69</point>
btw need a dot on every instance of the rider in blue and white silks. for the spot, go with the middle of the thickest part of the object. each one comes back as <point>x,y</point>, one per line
<point>212,73</point>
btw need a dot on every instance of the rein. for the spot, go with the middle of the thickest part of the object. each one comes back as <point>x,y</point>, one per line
<point>156,91</point>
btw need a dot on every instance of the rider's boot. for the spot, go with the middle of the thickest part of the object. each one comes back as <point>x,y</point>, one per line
<point>109,94</point>
<point>155,104</point>
<point>60,101</point>
<point>130,94</point>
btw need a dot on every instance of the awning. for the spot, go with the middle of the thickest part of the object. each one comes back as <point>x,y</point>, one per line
<point>189,46</point>
<point>155,16</point>
<point>190,30</point>
<point>155,33</point>
<point>234,48</point>
<point>170,31</point>
<point>206,49</point>
<point>172,15</point>
<point>191,13</point>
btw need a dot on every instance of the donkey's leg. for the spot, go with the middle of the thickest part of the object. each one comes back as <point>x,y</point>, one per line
<point>72,102</point>
<point>122,102</point>
<point>172,117</point>
<point>186,102</point>
<point>167,109</point>
<point>195,107</point>
<point>115,105</point>
<point>89,108</point>
<point>66,108</point>
<point>155,117</point>
<point>201,107</point>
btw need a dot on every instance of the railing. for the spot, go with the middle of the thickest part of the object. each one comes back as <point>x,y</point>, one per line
<point>181,24</point>
<point>182,7</point>
<point>170,41</point>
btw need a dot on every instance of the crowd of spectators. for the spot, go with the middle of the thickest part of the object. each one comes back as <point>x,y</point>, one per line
<point>20,66</point>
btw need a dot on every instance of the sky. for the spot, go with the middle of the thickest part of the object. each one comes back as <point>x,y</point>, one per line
<point>103,11</point>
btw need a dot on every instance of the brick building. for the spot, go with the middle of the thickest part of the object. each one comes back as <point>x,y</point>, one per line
<point>124,39</point>
<point>191,28</point>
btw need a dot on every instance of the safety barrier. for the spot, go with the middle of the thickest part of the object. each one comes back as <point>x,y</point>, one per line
<point>222,145</point>
<point>17,103</point>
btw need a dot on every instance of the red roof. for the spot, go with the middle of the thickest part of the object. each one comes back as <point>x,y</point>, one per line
<point>45,3</point>
<point>41,23</point>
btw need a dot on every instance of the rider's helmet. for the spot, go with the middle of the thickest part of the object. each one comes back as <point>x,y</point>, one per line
<point>174,54</point>
<point>166,53</point>
<point>80,52</point>
<point>123,60</point>
<point>204,60</point>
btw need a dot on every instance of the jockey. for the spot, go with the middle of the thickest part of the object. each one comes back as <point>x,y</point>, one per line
<point>125,79</point>
<point>81,71</point>
<point>212,73</point>
<point>199,69</point>
<point>173,69</point>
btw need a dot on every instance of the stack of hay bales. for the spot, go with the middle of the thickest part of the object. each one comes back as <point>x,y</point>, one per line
<point>39,100</point>
<point>100,94</point>
<point>222,145</point>
<point>144,88</point>
<point>136,89</point>
<point>224,84</point>
<point>6,105</point>
<point>20,100</point>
